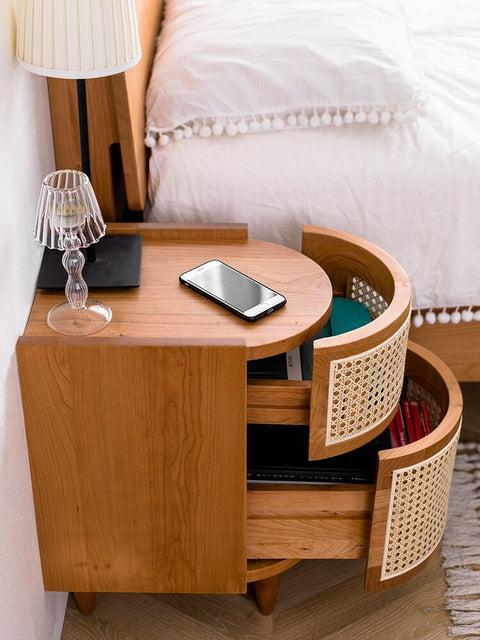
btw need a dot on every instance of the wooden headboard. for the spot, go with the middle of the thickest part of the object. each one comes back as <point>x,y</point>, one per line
<point>116,121</point>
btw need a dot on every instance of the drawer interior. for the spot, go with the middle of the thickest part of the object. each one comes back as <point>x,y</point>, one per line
<point>333,520</point>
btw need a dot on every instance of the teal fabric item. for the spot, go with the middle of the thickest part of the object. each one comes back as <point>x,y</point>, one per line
<point>346,315</point>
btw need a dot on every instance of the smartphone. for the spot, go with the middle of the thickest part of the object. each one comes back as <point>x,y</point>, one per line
<point>233,290</point>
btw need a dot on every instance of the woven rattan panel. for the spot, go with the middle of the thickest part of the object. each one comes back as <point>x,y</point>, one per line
<point>365,388</point>
<point>362,292</point>
<point>418,511</point>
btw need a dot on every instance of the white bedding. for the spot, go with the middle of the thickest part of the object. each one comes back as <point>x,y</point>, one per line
<point>412,189</point>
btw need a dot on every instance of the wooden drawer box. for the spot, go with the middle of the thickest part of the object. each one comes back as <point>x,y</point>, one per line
<point>375,521</point>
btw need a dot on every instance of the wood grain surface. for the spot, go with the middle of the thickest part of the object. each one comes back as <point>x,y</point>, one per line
<point>163,308</point>
<point>138,464</point>
<point>456,344</point>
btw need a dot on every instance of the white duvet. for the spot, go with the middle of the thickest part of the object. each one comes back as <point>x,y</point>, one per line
<point>412,189</point>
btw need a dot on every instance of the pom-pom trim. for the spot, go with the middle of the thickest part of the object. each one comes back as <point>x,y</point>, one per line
<point>445,315</point>
<point>314,118</point>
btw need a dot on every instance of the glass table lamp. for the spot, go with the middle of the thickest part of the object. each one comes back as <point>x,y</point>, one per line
<point>81,40</point>
<point>68,219</point>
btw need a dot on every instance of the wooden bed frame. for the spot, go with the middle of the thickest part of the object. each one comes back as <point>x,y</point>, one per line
<point>119,166</point>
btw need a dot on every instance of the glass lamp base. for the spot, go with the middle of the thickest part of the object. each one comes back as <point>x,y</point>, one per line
<point>95,315</point>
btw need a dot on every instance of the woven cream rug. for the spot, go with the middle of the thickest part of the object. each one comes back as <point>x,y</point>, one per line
<point>461,545</point>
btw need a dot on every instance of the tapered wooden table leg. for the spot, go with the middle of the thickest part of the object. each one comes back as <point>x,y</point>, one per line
<point>85,601</point>
<point>266,592</point>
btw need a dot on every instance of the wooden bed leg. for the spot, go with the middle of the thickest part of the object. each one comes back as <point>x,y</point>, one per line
<point>266,592</point>
<point>85,601</point>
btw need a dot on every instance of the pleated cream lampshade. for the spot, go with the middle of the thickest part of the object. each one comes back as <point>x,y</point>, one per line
<point>77,38</point>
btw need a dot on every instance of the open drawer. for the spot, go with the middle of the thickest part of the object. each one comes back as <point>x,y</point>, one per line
<point>398,522</point>
<point>357,376</point>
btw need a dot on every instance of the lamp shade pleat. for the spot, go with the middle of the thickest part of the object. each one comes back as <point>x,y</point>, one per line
<point>77,38</point>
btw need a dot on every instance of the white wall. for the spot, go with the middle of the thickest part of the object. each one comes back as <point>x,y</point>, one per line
<point>27,612</point>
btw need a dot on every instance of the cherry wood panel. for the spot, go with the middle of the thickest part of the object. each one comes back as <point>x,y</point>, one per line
<point>327,537</point>
<point>102,134</point>
<point>137,455</point>
<point>183,232</point>
<point>129,90</point>
<point>278,401</point>
<point>307,500</point>
<point>264,569</point>
<point>65,125</point>
<point>343,255</point>
<point>458,345</point>
<point>328,521</point>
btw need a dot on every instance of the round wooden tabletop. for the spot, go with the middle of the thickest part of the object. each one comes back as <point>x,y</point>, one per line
<point>163,308</point>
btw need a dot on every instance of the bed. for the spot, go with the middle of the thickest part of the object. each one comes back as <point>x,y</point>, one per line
<point>401,169</point>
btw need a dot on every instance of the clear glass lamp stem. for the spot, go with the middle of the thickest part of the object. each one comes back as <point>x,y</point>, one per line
<point>76,289</point>
<point>80,315</point>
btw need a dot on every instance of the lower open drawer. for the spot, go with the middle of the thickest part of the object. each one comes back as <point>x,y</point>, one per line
<point>331,521</point>
<point>397,523</point>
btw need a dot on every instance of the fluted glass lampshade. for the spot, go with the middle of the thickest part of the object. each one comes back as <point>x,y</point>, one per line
<point>68,207</point>
<point>77,38</point>
<point>68,219</point>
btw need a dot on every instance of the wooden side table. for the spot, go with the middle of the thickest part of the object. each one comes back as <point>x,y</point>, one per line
<point>137,434</point>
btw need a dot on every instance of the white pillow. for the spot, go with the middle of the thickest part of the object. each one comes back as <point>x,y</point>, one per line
<point>240,66</point>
